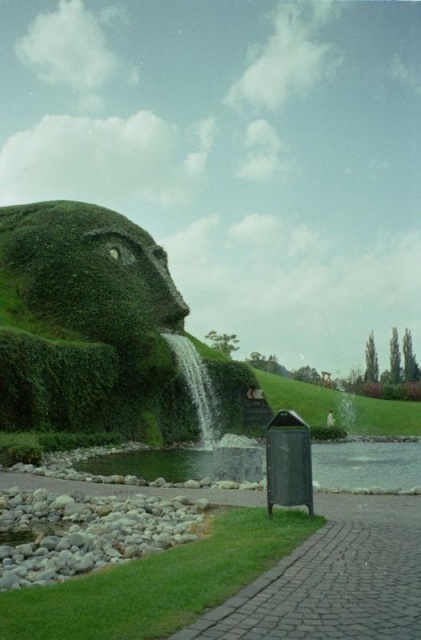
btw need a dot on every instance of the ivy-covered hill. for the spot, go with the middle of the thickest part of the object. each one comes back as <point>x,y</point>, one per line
<point>85,297</point>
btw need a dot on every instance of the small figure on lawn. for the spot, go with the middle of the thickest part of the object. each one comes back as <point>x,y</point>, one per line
<point>330,419</point>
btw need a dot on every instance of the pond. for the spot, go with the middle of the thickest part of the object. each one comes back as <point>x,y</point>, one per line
<point>350,465</point>
<point>353,465</point>
<point>14,537</point>
<point>177,465</point>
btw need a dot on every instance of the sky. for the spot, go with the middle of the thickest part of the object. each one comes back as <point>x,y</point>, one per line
<point>272,148</point>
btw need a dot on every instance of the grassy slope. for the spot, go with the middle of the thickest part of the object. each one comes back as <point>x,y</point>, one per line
<point>358,415</point>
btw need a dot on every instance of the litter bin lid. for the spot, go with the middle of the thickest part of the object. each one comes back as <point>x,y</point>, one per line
<point>287,418</point>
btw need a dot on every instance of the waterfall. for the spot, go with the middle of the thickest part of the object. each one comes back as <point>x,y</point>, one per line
<point>199,385</point>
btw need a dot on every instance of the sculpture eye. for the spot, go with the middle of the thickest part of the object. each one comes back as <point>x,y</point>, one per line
<point>120,252</point>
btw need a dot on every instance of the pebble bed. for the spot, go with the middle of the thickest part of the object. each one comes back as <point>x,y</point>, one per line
<point>93,532</point>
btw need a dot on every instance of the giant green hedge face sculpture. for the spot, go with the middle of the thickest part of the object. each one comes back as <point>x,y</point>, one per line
<point>91,270</point>
<point>85,297</point>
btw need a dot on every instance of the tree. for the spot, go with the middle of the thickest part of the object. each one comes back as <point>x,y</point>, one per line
<point>307,374</point>
<point>257,361</point>
<point>395,358</point>
<point>371,360</point>
<point>272,364</point>
<point>223,342</point>
<point>411,370</point>
<point>385,377</point>
<point>354,382</point>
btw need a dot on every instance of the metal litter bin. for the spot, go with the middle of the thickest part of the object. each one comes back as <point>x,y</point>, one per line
<point>288,462</point>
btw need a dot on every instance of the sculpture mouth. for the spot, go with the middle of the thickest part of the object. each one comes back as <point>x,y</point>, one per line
<point>170,323</point>
<point>177,332</point>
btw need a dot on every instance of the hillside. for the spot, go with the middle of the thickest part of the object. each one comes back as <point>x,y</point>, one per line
<point>358,415</point>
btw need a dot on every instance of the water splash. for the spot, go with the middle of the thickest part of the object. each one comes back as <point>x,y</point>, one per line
<point>347,410</point>
<point>199,385</point>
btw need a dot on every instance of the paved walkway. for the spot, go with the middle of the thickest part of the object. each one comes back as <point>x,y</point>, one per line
<point>359,577</point>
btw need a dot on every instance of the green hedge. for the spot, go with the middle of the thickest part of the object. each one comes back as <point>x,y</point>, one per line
<point>46,385</point>
<point>19,447</point>
<point>328,433</point>
<point>231,381</point>
<point>68,441</point>
<point>29,447</point>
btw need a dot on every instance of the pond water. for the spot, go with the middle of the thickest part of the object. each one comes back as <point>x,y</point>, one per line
<point>355,465</point>
<point>349,465</point>
<point>14,537</point>
<point>177,465</point>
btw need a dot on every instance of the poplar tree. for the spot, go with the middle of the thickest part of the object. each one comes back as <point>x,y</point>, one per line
<point>395,358</point>
<point>411,370</point>
<point>371,360</point>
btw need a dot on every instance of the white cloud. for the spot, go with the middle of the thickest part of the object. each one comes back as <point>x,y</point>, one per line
<point>258,167</point>
<point>257,229</point>
<point>191,247</point>
<point>290,63</point>
<point>201,134</point>
<point>95,159</point>
<point>269,238</point>
<point>406,74</point>
<point>67,47</point>
<point>274,286</point>
<point>112,15</point>
<point>260,132</point>
<point>262,158</point>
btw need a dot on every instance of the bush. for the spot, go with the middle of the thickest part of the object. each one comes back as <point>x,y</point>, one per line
<point>393,392</point>
<point>373,390</point>
<point>412,391</point>
<point>406,391</point>
<point>29,447</point>
<point>328,433</point>
<point>19,447</point>
<point>67,441</point>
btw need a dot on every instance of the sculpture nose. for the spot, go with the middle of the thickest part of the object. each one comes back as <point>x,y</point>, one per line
<point>170,305</point>
<point>173,311</point>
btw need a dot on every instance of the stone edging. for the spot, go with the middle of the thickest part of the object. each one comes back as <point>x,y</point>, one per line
<point>60,465</point>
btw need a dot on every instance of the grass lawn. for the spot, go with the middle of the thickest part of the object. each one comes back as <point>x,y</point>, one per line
<point>153,597</point>
<point>357,414</point>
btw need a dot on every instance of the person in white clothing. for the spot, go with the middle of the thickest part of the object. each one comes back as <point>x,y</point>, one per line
<point>330,419</point>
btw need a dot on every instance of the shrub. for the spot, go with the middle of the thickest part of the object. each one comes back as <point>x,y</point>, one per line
<point>19,447</point>
<point>412,391</point>
<point>373,390</point>
<point>67,441</point>
<point>393,392</point>
<point>29,447</point>
<point>328,433</point>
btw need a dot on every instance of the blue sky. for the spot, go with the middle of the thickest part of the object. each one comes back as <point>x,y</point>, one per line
<point>273,148</point>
